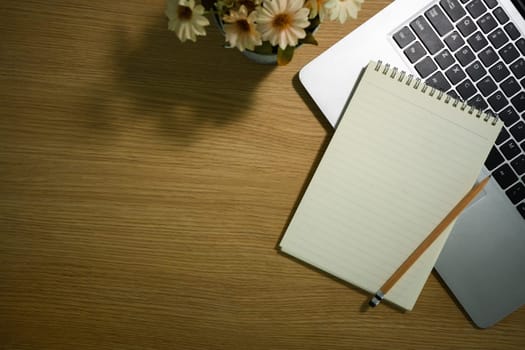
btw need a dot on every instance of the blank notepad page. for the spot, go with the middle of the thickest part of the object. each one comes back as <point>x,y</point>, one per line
<point>401,157</point>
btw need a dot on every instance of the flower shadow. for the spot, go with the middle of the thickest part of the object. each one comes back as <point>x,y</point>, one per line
<point>181,87</point>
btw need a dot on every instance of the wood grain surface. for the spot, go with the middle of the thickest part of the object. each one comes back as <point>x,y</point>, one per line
<point>145,184</point>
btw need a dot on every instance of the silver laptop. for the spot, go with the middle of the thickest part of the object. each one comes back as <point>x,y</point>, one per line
<point>473,50</point>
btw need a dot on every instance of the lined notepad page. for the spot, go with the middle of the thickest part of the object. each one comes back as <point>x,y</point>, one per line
<point>397,164</point>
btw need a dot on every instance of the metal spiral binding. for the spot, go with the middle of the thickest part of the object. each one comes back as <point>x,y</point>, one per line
<point>420,85</point>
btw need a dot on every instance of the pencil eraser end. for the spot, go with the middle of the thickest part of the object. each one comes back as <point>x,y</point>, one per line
<point>374,301</point>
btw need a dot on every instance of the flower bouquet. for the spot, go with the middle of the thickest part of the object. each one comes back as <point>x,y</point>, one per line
<point>266,27</point>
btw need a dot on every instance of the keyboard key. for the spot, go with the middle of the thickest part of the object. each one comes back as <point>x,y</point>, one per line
<point>499,71</point>
<point>453,9</point>
<point>455,74</point>
<point>502,136</point>
<point>497,101</point>
<point>487,23</point>
<point>518,131</point>
<point>426,34</point>
<point>487,86</point>
<point>518,164</point>
<point>512,31</point>
<point>498,38</point>
<point>504,176</point>
<point>466,26</point>
<point>521,209</point>
<point>478,101</point>
<point>415,51</point>
<point>465,56</point>
<point>425,67</point>
<point>476,8</point>
<point>466,89</point>
<point>509,53</point>
<point>491,3</point>
<point>444,59</point>
<point>494,159</point>
<point>476,71</point>
<point>521,45</point>
<point>509,116</point>
<point>501,16</point>
<point>404,37</point>
<point>518,68</point>
<point>454,41</point>
<point>510,149</point>
<point>439,21</point>
<point>477,41</point>
<point>510,86</point>
<point>438,81</point>
<point>518,102</point>
<point>516,193</point>
<point>488,56</point>
<point>453,94</point>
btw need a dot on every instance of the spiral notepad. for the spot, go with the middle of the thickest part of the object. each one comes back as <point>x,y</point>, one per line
<point>401,157</point>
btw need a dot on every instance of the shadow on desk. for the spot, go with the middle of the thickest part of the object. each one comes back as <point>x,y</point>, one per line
<point>182,87</point>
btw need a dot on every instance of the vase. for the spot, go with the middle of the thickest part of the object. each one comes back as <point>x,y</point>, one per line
<point>260,57</point>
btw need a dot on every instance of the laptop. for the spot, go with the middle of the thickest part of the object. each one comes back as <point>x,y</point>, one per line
<point>475,51</point>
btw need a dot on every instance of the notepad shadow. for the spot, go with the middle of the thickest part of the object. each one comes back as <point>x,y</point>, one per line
<point>362,307</point>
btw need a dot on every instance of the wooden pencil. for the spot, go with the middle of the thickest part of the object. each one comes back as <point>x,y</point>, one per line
<point>427,242</point>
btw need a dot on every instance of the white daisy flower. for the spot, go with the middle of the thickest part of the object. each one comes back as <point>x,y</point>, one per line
<point>317,8</point>
<point>186,19</point>
<point>343,9</point>
<point>282,22</point>
<point>240,29</point>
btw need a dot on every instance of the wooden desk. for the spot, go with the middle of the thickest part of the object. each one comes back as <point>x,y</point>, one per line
<point>144,185</point>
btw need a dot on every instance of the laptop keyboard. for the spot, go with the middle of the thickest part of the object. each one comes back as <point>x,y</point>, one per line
<point>471,50</point>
